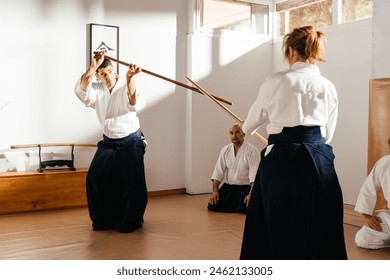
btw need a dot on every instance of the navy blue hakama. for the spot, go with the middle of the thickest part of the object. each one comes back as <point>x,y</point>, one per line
<point>231,199</point>
<point>116,186</point>
<point>296,206</point>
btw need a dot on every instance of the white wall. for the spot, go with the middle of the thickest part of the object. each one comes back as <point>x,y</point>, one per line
<point>349,51</point>
<point>43,52</point>
<point>230,68</point>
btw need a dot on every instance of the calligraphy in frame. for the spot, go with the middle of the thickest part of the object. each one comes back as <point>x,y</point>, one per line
<point>98,34</point>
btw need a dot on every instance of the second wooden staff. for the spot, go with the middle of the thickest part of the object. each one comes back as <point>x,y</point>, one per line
<point>256,134</point>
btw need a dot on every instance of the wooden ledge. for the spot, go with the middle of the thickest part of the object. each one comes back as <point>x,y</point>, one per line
<point>25,146</point>
<point>36,173</point>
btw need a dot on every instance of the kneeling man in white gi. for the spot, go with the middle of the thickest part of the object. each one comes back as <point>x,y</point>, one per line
<point>236,167</point>
<point>375,233</point>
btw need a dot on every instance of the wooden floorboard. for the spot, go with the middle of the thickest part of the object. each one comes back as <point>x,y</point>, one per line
<point>177,227</point>
<point>351,217</point>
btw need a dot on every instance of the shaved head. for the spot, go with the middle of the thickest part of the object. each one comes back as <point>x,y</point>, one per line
<point>237,135</point>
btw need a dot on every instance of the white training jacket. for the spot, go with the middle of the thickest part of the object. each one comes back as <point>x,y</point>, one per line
<point>379,178</point>
<point>293,97</point>
<point>237,169</point>
<point>116,116</point>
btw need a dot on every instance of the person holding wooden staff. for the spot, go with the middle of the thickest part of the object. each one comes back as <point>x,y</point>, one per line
<point>296,206</point>
<point>116,186</point>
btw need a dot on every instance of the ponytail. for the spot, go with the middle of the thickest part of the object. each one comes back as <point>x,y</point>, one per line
<point>306,41</point>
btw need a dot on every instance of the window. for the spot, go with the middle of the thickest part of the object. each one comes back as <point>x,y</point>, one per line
<point>319,13</point>
<point>356,9</point>
<point>236,17</point>
<point>294,14</point>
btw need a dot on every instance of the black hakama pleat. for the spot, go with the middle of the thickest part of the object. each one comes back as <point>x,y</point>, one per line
<point>231,199</point>
<point>296,206</point>
<point>116,186</point>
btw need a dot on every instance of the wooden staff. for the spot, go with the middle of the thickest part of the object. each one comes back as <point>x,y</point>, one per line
<point>256,134</point>
<point>170,80</point>
<point>50,145</point>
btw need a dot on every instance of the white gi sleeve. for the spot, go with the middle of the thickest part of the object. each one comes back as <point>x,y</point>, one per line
<point>368,193</point>
<point>332,114</point>
<point>88,97</point>
<point>254,161</point>
<point>220,166</point>
<point>140,101</point>
<point>256,115</point>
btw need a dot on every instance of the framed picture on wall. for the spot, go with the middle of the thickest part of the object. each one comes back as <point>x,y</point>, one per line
<point>102,35</point>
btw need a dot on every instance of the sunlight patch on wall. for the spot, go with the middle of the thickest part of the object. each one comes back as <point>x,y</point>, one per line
<point>231,50</point>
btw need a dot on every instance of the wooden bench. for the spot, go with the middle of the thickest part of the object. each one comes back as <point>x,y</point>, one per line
<point>35,191</point>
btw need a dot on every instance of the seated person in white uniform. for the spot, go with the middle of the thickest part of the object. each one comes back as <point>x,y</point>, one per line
<point>375,233</point>
<point>236,168</point>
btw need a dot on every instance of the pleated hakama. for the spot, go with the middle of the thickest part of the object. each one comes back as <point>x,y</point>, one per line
<point>296,207</point>
<point>231,199</point>
<point>116,186</point>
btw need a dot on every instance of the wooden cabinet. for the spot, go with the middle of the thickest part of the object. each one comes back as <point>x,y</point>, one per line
<point>35,191</point>
<point>378,127</point>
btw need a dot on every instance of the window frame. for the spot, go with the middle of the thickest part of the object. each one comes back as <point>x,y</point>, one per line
<point>200,30</point>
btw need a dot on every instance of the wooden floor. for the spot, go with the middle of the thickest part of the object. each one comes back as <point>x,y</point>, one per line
<point>176,227</point>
